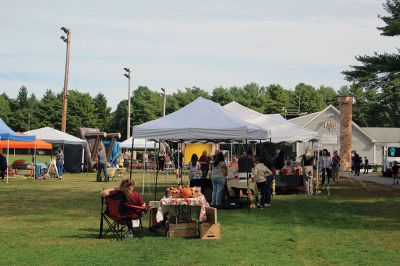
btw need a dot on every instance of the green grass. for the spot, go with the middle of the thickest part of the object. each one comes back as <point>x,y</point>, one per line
<point>55,222</point>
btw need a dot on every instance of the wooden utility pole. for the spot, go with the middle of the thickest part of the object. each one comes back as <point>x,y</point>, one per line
<point>65,96</point>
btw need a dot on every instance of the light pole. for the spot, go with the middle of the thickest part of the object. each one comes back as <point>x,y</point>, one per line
<point>128,123</point>
<point>299,97</point>
<point>164,100</point>
<point>65,96</point>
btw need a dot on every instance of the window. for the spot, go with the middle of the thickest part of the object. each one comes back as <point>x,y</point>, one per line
<point>394,152</point>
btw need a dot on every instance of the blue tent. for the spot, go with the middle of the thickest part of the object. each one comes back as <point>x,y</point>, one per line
<point>7,133</point>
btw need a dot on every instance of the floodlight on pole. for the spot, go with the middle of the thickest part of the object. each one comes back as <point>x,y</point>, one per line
<point>67,40</point>
<point>164,100</point>
<point>128,123</point>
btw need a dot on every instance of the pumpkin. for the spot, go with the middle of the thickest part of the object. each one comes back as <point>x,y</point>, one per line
<point>186,192</point>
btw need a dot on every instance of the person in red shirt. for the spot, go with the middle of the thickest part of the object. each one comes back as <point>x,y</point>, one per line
<point>204,164</point>
<point>128,196</point>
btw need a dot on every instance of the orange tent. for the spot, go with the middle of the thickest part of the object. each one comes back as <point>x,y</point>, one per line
<point>38,144</point>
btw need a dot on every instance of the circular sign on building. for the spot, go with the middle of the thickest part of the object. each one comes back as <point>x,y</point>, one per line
<point>330,125</point>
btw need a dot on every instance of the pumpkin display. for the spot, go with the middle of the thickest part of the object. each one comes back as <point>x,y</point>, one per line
<point>186,192</point>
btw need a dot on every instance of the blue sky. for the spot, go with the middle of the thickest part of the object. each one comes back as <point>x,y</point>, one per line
<point>185,43</point>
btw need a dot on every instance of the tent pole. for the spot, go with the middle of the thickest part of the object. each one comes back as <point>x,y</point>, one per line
<point>145,167</point>
<point>155,189</point>
<point>130,164</point>
<point>35,159</point>
<point>8,156</point>
<point>247,177</point>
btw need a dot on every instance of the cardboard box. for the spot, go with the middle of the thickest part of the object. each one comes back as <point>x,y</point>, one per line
<point>152,218</point>
<point>210,231</point>
<point>211,214</point>
<point>182,230</point>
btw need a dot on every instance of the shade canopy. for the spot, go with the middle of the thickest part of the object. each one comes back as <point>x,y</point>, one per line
<point>282,130</point>
<point>138,144</point>
<point>7,133</point>
<point>202,120</point>
<point>55,136</point>
<point>15,144</point>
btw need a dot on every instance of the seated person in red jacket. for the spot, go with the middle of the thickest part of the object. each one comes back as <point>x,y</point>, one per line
<point>128,196</point>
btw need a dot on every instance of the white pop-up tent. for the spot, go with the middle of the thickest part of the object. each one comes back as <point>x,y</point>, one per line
<point>281,129</point>
<point>55,136</point>
<point>200,120</point>
<point>138,144</point>
<point>72,146</point>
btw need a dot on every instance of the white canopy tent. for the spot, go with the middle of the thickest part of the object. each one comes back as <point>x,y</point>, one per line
<point>200,120</point>
<point>138,144</point>
<point>281,129</point>
<point>72,146</point>
<point>55,136</point>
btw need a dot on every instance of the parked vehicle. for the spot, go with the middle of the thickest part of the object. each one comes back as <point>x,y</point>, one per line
<point>391,153</point>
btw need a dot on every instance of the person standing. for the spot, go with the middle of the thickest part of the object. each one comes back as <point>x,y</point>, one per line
<point>395,172</point>
<point>127,158</point>
<point>307,162</point>
<point>218,179</point>
<point>60,162</point>
<point>260,176</point>
<point>101,165</point>
<point>193,166</point>
<point>357,163</point>
<point>3,165</point>
<point>325,166</point>
<point>366,165</point>
<point>161,162</point>
<point>335,166</point>
<point>204,164</point>
<point>178,161</point>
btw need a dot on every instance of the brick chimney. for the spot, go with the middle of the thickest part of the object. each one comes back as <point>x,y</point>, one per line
<point>346,119</point>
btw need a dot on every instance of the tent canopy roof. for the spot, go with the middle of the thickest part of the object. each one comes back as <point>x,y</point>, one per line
<point>7,133</point>
<point>15,144</point>
<point>200,119</point>
<point>138,144</point>
<point>55,136</point>
<point>281,129</point>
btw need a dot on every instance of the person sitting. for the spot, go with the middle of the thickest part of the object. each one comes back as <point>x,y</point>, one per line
<point>130,197</point>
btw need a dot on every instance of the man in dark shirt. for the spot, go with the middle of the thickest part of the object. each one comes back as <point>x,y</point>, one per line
<point>178,160</point>
<point>161,162</point>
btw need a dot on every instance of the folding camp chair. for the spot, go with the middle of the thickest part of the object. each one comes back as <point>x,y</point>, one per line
<point>116,221</point>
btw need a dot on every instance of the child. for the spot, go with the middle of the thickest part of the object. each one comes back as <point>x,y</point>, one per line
<point>260,176</point>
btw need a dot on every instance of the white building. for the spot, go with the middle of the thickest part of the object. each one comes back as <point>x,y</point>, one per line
<point>367,141</point>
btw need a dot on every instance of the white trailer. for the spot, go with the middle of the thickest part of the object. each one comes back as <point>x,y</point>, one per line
<point>390,153</point>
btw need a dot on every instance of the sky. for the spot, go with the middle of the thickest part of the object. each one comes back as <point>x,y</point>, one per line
<point>184,43</point>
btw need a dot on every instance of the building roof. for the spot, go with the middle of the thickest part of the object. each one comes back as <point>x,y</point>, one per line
<point>304,121</point>
<point>383,134</point>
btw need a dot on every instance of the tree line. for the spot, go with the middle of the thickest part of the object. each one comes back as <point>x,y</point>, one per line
<point>27,112</point>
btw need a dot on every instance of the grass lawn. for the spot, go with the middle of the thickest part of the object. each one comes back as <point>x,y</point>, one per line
<point>55,222</point>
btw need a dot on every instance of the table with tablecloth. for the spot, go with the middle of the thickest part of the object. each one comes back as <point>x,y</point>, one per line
<point>165,202</point>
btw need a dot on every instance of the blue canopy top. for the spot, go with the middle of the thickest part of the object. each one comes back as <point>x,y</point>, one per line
<point>7,133</point>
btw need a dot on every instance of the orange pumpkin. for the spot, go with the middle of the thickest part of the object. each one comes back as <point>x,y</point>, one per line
<point>186,192</point>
